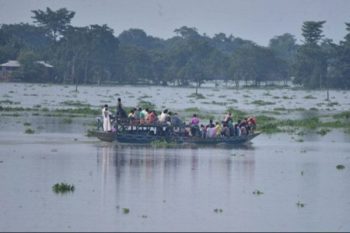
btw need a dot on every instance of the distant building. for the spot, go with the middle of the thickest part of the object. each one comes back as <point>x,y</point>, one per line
<point>13,65</point>
<point>7,68</point>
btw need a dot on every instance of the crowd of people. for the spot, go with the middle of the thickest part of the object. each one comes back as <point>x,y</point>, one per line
<point>138,116</point>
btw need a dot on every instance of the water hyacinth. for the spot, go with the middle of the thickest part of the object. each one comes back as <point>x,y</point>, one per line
<point>63,188</point>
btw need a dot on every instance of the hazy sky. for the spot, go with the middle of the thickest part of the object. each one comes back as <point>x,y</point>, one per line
<point>256,20</point>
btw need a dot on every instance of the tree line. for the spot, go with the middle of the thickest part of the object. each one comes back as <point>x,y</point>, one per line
<point>92,54</point>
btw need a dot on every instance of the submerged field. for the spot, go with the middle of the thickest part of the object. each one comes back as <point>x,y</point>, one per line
<point>293,177</point>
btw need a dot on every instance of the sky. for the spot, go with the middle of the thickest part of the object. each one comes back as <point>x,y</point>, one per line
<point>255,20</point>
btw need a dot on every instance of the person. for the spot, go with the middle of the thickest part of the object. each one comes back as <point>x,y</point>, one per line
<point>203,131</point>
<point>228,117</point>
<point>151,117</point>
<point>106,119</point>
<point>144,116</point>
<point>131,116</point>
<point>121,114</point>
<point>218,129</point>
<point>163,116</point>
<point>175,120</point>
<point>211,124</point>
<point>194,125</point>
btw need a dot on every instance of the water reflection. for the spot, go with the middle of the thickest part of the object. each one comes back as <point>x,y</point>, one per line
<point>136,168</point>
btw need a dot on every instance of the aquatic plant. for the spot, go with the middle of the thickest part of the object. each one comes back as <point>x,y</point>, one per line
<point>162,144</point>
<point>67,121</point>
<point>75,103</point>
<point>323,131</point>
<point>126,210</point>
<point>90,133</point>
<point>63,188</point>
<point>309,97</point>
<point>340,167</point>
<point>218,210</point>
<point>196,95</point>
<point>257,192</point>
<point>300,204</point>
<point>146,104</point>
<point>342,115</point>
<point>193,109</point>
<point>26,124</point>
<point>262,102</point>
<point>29,131</point>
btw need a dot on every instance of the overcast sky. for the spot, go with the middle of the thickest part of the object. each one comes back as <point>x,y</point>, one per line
<point>256,20</point>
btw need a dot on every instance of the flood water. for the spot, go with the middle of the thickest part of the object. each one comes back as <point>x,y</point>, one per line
<point>187,188</point>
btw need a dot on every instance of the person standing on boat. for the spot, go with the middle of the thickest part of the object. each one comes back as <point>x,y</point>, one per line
<point>195,125</point>
<point>106,119</point>
<point>121,114</point>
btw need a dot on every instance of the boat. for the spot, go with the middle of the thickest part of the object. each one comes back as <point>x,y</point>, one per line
<point>150,133</point>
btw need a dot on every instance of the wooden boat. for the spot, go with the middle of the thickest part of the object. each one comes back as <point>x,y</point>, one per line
<point>146,134</point>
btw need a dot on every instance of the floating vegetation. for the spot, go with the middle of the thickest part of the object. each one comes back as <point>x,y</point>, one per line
<point>309,97</point>
<point>90,133</point>
<point>218,103</point>
<point>331,104</point>
<point>257,192</point>
<point>144,97</point>
<point>146,104</point>
<point>126,210</point>
<point>323,131</point>
<point>218,210</point>
<point>29,131</point>
<point>340,167</point>
<point>9,102</point>
<point>67,121</point>
<point>162,144</point>
<point>63,188</point>
<point>300,204</point>
<point>75,103</point>
<point>343,115</point>
<point>193,109</point>
<point>197,96</point>
<point>26,124</point>
<point>262,102</point>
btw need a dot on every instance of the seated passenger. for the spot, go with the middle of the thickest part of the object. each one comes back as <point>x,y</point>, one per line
<point>143,116</point>
<point>163,116</point>
<point>203,131</point>
<point>218,129</point>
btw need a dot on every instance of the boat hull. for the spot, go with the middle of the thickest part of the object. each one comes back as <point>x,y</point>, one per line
<point>147,139</point>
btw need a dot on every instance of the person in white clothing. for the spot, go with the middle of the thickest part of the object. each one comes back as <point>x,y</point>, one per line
<point>106,119</point>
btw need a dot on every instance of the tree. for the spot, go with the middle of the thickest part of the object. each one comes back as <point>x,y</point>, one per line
<point>312,31</point>
<point>310,66</point>
<point>54,22</point>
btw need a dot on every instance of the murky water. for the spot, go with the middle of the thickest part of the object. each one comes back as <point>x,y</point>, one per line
<point>168,189</point>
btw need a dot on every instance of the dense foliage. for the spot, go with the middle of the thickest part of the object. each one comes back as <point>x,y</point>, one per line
<point>93,54</point>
